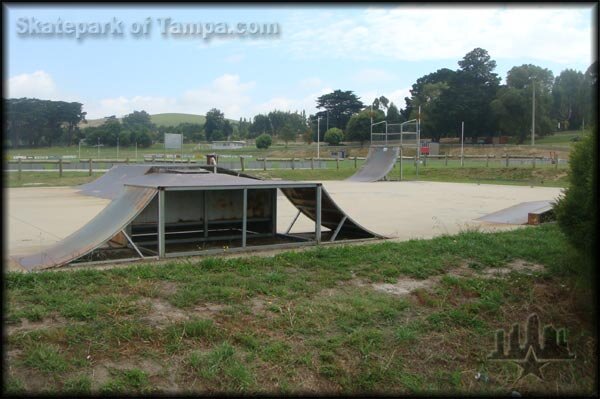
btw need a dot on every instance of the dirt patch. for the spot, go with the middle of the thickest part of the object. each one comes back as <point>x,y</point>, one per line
<point>101,373</point>
<point>167,288</point>
<point>516,265</point>
<point>161,312</point>
<point>26,325</point>
<point>404,286</point>
<point>208,310</point>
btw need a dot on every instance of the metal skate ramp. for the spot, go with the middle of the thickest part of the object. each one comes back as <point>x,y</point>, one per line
<point>516,214</point>
<point>380,161</point>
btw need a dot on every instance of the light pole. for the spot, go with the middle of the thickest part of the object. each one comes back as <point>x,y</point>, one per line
<point>318,138</point>
<point>533,114</point>
<point>462,143</point>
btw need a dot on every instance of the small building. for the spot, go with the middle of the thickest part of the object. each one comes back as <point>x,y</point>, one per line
<point>227,145</point>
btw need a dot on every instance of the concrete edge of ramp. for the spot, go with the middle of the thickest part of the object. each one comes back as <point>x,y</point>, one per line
<point>516,214</point>
<point>380,161</point>
<point>104,226</point>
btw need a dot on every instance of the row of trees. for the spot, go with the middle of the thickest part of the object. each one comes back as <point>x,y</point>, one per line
<point>33,122</point>
<point>135,128</point>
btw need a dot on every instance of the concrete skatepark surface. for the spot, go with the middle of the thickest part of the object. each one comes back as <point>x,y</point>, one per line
<point>39,217</point>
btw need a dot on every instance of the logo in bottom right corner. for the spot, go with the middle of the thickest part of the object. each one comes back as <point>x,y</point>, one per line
<point>535,353</point>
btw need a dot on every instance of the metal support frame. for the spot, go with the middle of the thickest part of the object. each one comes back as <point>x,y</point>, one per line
<point>274,211</point>
<point>318,218</point>
<point>132,244</point>
<point>338,228</point>
<point>293,221</point>
<point>244,217</point>
<point>161,223</point>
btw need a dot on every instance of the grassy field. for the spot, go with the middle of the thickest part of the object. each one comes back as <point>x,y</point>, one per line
<point>565,137</point>
<point>415,317</point>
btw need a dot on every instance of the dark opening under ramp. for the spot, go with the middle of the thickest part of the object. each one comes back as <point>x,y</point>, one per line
<point>331,215</point>
<point>380,161</point>
<point>108,223</point>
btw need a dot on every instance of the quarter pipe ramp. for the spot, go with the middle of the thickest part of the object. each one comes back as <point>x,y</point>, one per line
<point>380,161</point>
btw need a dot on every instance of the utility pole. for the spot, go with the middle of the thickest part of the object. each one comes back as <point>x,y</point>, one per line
<point>533,116</point>
<point>462,144</point>
<point>319,139</point>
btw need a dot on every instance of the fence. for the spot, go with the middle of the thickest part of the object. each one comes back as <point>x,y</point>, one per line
<point>247,163</point>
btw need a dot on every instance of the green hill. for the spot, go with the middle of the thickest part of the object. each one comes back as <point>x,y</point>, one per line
<point>174,119</point>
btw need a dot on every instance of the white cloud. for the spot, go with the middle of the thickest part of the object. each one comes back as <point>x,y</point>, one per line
<point>227,93</point>
<point>557,34</point>
<point>38,84</point>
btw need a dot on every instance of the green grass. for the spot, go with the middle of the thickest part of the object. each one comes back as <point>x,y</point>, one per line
<point>565,137</point>
<point>317,329</point>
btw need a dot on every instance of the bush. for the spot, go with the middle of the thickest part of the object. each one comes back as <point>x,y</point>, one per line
<point>576,209</point>
<point>334,136</point>
<point>263,141</point>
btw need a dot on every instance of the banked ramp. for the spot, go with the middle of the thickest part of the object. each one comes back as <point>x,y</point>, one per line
<point>380,161</point>
<point>106,225</point>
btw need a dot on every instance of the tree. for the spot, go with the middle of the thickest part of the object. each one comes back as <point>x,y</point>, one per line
<point>334,136</point>
<point>359,125</point>
<point>569,99</point>
<point>214,126</point>
<point>341,105</point>
<point>260,125</point>
<point>263,141</point>
<point>393,114</point>
<point>512,106</point>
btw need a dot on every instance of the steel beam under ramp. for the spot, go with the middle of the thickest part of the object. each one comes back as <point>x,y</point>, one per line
<point>380,161</point>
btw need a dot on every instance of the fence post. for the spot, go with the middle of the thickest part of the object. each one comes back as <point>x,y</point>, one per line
<point>507,158</point>
<point>446,160</point>
<point>462,160</point>
<point>487,160</point>
<point>60,168</point>
<point>425,160</point>
<point>555,161</point>
<point>292,163</point>
<point>19,173</point>
<point>415,160</point>
<point>312,163</point>
<point>533,163</point>
<point>355,162</point>
<point>241,162</point>
<point>265,163</point>
<point>337,163</point>
<point>90,173</point>
<point>127,160</point>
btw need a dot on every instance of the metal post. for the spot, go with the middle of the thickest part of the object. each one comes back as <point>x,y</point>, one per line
<point>242,162</point>
<point>462,144</point>
<point>265,163</point>
<point>318,218</point>
<point>318,138</point>
<point>446,160</point>
<point>293,222</point>
<point>401,169</point>
<point>274,211</point>
<point>533,163</point>
<point>60,167</point>
<point>244,217</point>
<point>293,163</point>
<point>19,173</point>
<point>90,173</point>
<point>425,160</point>
<point>487,160</point>
<point>354,162</point>
<point>337,162</point>
<point>507,157</point>
<point>533,115</point>
<point>161,223</point>
<point>312,163</point>
<point>205,214</point>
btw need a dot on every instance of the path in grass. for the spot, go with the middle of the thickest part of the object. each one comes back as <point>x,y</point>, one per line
<point>412,317</point>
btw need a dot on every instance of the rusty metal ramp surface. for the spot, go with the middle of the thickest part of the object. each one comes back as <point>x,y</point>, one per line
<point>108,223</point>
<point>331,215</point>
<point>380,161</point>
<point>516,214</point>
<point>110,184</point>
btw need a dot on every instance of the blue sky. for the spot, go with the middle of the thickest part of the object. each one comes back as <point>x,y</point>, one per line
<point>372,50</point>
